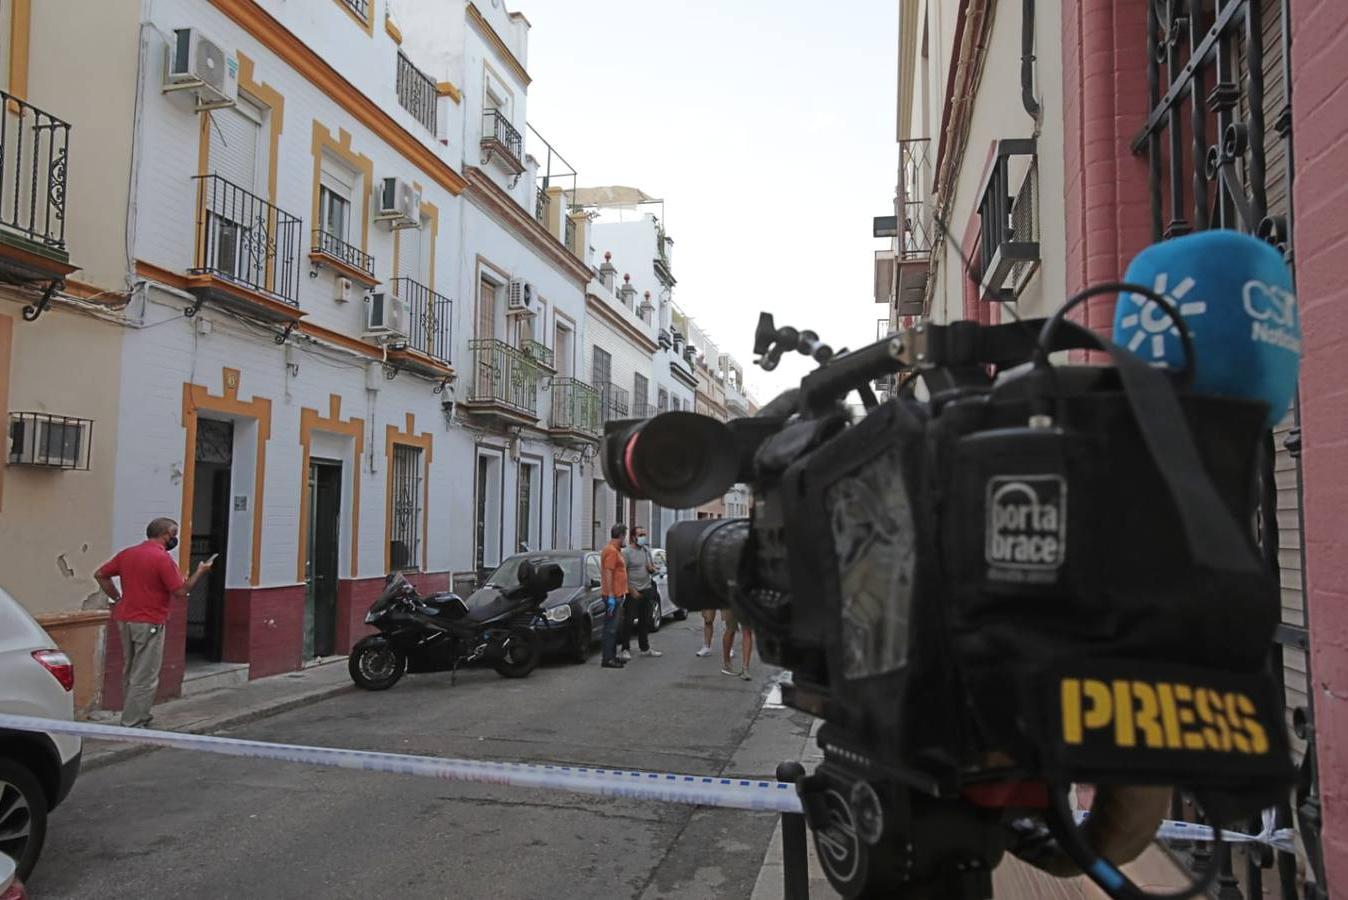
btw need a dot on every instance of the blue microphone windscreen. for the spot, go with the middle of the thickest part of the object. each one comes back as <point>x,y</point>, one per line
<point>1235,294</point>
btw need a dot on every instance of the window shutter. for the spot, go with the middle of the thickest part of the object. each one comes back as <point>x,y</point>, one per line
<point>234,143</point>
<point>409,254</point>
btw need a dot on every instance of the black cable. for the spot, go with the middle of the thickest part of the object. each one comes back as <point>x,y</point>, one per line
<point>1103,872</point>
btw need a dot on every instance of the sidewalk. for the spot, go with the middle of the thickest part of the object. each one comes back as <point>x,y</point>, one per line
<point>1012,880</point>
<point>228,707</point>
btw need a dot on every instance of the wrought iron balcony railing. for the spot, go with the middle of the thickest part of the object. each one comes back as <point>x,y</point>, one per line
<point>34,155</point>
<point>643,410</point>
<point>360,8</point>
<point>882,329</point>
<point>247,240</point>
<point>430,318</point>
<point>613,400</point>
<point>503,375</point>
<point>575,407</point>
<point>417,93</point>
<point>541,206</point>
<point>537,351</point>
<point>571,235</point>
<point>498,135</point>
<point>914,212</point>
<point>332,246</point>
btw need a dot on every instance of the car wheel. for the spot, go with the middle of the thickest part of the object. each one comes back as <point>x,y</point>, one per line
<point>584,640</point>
<point>23,816</point>
<point>656,618</point>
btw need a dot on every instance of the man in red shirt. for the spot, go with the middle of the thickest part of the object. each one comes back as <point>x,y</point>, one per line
<point>613,585</point>
<point>150,582</point>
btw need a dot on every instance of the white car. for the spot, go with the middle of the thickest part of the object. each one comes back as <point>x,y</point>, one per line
<point>37,769</point>
<point>661,578</point>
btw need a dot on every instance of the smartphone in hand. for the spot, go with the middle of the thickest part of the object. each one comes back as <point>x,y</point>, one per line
<point>210,561</point>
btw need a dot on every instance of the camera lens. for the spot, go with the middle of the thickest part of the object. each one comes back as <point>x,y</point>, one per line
<point>704,560</point>
<point>679,460</point>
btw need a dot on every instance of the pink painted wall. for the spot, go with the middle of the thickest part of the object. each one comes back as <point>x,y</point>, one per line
<point>1104,103</point>
<point>1320,133</point>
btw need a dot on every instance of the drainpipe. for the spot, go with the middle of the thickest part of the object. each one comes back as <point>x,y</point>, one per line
<point>1027,60</point>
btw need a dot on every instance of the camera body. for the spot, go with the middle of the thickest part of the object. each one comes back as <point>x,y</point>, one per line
<point>989,594</point>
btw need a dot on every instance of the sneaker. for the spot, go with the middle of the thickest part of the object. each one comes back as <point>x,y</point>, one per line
<point>625,656</point>
<point>727,671</point>
<point>745,676</point>
<point>612,664</point>
<point>705,651</point>
<point>651,653</point>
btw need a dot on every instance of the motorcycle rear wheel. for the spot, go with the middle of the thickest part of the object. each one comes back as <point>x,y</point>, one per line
<point>522,655</point>
<point>376,668</point>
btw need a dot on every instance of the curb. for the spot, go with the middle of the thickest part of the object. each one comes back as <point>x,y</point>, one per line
<point>121,753</point>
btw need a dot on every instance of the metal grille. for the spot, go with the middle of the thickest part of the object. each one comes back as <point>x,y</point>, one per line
<point>247,240</point>
<point>34,157</point>
<point>1217,79</point>
<point>614,401</point>
<point>360,8</point>
<point>430,318</point>
<point>496,128</point>
<point>537,351</point>
<point>1006,251</point>
<point>913,211</point>
<point>575,406</point>
<point>571,235</point>
<point>417,92</point>
<point>52,442</point>
<point>504,375</point>
<point>541,206</point>
<point>405,535</point>
<point>332,246</point>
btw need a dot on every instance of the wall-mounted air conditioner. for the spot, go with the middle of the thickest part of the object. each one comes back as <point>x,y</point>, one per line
<point>520,298</point>
<point>49,441</point>
<point>198,64</point>
<point>387,316</point>
<point>343,290</point>
<point>399,204</point>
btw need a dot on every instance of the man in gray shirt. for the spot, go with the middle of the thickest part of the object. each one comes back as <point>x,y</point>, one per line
<point>641,595</point>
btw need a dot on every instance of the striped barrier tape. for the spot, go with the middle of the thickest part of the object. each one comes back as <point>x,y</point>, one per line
<point>694,790</point>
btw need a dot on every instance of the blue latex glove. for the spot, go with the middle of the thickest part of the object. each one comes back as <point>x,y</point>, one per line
<point>612,603</point>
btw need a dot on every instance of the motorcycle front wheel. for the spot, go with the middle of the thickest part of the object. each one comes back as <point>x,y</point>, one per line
<point>522,654</point>
<point>376,667</point>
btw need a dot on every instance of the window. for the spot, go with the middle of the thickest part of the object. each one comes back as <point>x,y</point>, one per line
<point>334,212</point>
<point>662,400</point>
<point>641,396</point>
<point>412,255</point>
<point>592,569</point>
<point>488,543</point>
<point>601,365</point>
<point>527,508</point>
<point>405,541</point>
<point>486,309</point>
<point>562,350</point>
<point>232,207</point>
<point>561,508</point>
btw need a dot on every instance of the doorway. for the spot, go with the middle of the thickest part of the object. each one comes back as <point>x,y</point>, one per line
<point>320,576</point>
<point>210,537</point>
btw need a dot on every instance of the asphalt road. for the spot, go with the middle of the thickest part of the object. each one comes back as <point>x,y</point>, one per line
<point>176,824</point>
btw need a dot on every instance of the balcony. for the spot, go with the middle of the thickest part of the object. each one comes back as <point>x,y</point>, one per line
<point>613,401</point>
<point>417,93</point>
<point>247,253</point>
<point>504,382</point>
<point>643,410</point>
<point>576,412</point>
<point>343,258</point>
<point>913,210</point>
<point>541,206</point>
<point>538,352</point>
<point>1009,213</point>
<point>430,331</point>
<point>34,153</point>
<point>882,329</point>
<point>662,267</point>
<point>502,140</point>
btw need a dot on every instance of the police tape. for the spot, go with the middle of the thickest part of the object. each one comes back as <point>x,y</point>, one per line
<point>1283,839</point>
<point>694,790</point>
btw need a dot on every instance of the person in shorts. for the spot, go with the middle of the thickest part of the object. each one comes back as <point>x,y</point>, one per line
<point>728,645</point>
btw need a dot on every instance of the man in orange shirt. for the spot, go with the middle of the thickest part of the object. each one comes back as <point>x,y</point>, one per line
<point>613,584</point>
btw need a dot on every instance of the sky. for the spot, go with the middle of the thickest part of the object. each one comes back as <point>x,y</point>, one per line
<point>766,126</point>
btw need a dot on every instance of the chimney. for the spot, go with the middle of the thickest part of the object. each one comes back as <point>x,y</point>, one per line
<point>608,273</point>
<point>627,294</point>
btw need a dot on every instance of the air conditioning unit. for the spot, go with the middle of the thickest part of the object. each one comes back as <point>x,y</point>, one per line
<point>197,63</point>
<point>343,290</point>
<point>520,298</point>
<point>399,204</point>
<point>387,316</point>
<point>37,439</point>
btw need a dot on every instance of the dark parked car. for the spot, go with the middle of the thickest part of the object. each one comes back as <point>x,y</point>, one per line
<point>574,612</point>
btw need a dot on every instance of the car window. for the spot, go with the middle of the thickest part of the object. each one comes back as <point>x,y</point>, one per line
<point>507,576</point>
<point>591,568</point>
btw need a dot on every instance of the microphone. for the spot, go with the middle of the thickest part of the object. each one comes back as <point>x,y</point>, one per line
<point>1235,294</point>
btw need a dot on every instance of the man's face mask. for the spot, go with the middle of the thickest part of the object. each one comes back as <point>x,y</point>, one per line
<point>172,543</point>
<point>641,541</point>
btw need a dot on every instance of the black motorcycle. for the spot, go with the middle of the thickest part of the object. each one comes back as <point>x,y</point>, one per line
<point>440,633</point>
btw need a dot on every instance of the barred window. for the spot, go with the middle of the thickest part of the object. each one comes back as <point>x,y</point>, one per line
<point>405,537</point>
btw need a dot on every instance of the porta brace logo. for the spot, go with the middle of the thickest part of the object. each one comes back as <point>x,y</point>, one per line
<point>1026,522</point>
